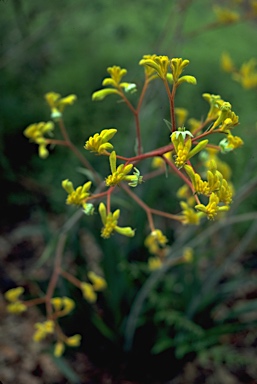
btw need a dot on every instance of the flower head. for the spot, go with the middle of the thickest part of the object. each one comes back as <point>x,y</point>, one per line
<point>118,174</point>
<point>78,196</point>
<point>100,142</point>
<point>63,305</point>
<point>156,241</point>
<point>43,329</point>
<point>98,282</point>
<point>110,222</point>
<point>36,133</point>
<point>88,292</point>
<point>15,306</point>
<point>58,103</point>
<point>212,208</point>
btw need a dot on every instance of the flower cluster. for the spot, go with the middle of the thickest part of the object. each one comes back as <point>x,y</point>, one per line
<point>15,305</point>
<point>89,290</point>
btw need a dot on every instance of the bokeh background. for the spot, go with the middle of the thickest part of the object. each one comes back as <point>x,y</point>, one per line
<point>65,47</point>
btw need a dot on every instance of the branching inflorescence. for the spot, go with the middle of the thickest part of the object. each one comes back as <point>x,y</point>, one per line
<point>204,194</point>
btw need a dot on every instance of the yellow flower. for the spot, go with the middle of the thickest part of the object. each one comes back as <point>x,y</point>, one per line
<point>189,216</point>
<point>181,114</point>
<point>88,292</point>
<point>78,196</point>
<point>247,75</point>
<point>158,162</point>
<point>118,174</point>
<point>36,132</point>
<point>183,147</point>
<point>43,329</point>
<point>57,103</point>
<point>155,241</point>
<point>15,306</point>
<point>12,295</point>
<point>63,305</point>
<point>73,341</point>
<point>212,208</point>
<point>114,81</point>
<point>215,102</point>
<point>226,63</point>
<point>230,143</point>
<point>110,222</point>
<point>225,15</point>
<point>154,263</point>
<point>99,142</point>
<point>188,254</point>
<point>158,64</point>
<point>98,282</point>
<point>59,349</point>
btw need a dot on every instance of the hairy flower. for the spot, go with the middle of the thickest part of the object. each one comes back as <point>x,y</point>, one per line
<point>57,103</point>
<point>110,222</point>
<point>78,196</point>
<point>36,133</point>
<point>100,141</point>
<point>212,208</point>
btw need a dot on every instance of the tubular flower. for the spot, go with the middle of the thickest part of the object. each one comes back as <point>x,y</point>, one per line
<point>154,263</point>
<point>183,147</point>
<point>63,305</point>
<point>158,161</point>
<point>177,67</point>
<point>212,208</point>
<point>181,115</point>
<point>88,292</point>
<point>159,64</point>
<point>99,142</point>
<point>43,329</point>
<point>247,75</point>
<point>78,196</point>
<point>110,222</point>
<point>36,132</point>
<point>98,282</point>
<point>150,72</point>
<point>72,341</point>
<point>121,173</point>
<point>116,74</point>
<point>215,102</point>
<point>156,241</point>
<point>15,305</point>
<point>189,216</point>
<point>211,154</point>
<point>225,15</point>
<point>226,119</point>
<point>58,103</point>
<point>230,143</point>
<point>226,63</point>
<point>225,192</point>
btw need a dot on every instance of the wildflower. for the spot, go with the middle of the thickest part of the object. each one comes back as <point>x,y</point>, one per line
<point>189,216</point>
<point>116,74</point>
<point>58,104</point>
<point>63,305</point>
<point>15,306</point>
<point>36,133</point>
<point>154,263</point>
<point>181,114</point>
<point>99,142</point>
<point>183,147</point>
<point>59,349</point>
<point>78,196</point>
<point>121,173</point>
<point>212,208</point>
<point>155,241</point>
<point>225,15</point>
<point>110,222</point>
<point>226,63</point>
<point>188,254</point>
<point>72,341</point>
<point>43,329</point>
<point>98,282</point>
<point>177,67</point>
<point>247,75</point>
<point>230,143</point>
<point>158,161</point>
<point>211,154</point>
<point>226,118</point>
<point>185,193</point>
<point>215,102</point>
<point>158,64</point>
<point>88,292</point>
